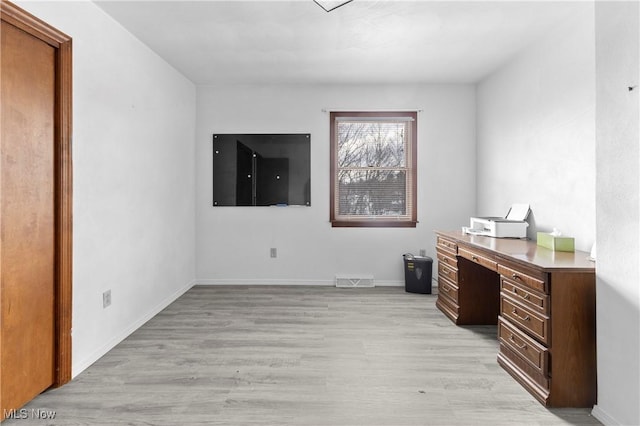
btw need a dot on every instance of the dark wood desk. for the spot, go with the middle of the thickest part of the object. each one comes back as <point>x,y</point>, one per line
<point>543,302</point>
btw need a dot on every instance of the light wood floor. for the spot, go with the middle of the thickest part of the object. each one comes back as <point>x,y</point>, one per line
<point>300,356</point>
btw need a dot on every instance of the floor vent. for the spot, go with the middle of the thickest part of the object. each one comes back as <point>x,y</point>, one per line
<point>353,281</point>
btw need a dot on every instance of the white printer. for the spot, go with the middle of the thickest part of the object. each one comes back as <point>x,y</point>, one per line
<point>513,225</point>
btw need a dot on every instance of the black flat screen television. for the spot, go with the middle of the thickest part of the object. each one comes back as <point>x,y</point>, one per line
<point>262,169</point>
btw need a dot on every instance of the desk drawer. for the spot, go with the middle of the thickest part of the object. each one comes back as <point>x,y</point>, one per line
<point>447,245</point>
<point>445,287</point>
<point>530,378</point>
<point>537,283</point>
<point>448,306</point>
<point>478,258</point>
<point>535,324</point>
<point>445,271</point>
<point>525,295</point>
<point>527,348</point>
<point>447,259</point>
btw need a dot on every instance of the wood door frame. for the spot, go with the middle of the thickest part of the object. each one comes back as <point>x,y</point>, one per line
<point>63,205</point>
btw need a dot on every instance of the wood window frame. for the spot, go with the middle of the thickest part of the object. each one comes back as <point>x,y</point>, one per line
<point>63,178</point>
<point>413,175</point>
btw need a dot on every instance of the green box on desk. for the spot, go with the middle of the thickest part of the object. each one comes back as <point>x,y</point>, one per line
<point>555,243</point>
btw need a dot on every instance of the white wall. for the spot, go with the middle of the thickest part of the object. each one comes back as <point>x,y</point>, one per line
<point>133,154</point>
<point>536,133</point>
<point>618,212</point>
<point>233,242</point>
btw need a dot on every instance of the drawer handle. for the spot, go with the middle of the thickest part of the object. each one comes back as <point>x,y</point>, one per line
<point>523,346</point>
<point>516,277</point>
<point>525,296</point>
<point>446,288</point>
<point>514,311</point>
<point>474,258</point>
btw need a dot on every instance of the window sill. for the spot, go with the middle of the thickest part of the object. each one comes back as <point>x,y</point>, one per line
<point>373,224</point>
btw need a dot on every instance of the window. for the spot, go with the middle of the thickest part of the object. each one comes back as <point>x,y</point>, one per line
<point>373,169</point>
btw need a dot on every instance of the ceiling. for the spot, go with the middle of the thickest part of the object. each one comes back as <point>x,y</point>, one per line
<point>363,42</point>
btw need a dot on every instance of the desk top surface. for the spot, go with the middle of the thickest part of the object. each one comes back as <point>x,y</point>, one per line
<point>526,251</point>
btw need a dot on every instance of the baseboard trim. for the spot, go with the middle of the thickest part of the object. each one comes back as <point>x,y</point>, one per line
<point>603,417</point>
<point>263,281</point>
<point>388,283</point>
<point>289,282</point>
<point>81,365</point>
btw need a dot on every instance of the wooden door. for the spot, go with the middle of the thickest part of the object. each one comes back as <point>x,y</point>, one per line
<point>28,242</point>
<point>35,211</point>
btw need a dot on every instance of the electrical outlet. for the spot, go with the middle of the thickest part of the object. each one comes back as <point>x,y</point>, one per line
<point>274,252</point>
<point>106,299</point>
<point>423,252</point>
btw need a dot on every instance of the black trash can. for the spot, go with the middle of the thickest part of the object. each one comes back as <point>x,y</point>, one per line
<point>417,273</point>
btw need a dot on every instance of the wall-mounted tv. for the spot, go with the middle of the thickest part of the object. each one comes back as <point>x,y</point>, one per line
<point>262,169</point>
